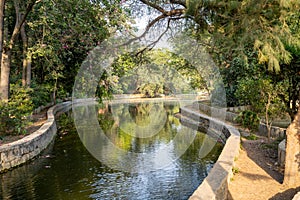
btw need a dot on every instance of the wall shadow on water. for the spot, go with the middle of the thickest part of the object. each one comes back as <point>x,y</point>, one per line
<point>22,177</point>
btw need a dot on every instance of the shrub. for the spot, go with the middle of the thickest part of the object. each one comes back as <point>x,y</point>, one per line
<point>14,113</point>
<point>248,119</point>
<point>151,90</point>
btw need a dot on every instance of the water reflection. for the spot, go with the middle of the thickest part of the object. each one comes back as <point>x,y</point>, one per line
<point>138,138</point>
<point>68,171</point>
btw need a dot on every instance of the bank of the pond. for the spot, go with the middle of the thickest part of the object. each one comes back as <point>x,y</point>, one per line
<point>18,152</point>
<point>215,185</point>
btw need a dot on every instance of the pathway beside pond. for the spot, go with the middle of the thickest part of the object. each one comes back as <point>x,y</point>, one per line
<point>256,174</point>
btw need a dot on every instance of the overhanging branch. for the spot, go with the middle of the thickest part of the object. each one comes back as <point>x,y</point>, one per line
<point>173,14</point>
<point>152,44</point>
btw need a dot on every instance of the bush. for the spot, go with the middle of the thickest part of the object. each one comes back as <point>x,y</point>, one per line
<point>248,119</point>
<point>14,113</point>
<point>151,90</point>
<point>41,94</point>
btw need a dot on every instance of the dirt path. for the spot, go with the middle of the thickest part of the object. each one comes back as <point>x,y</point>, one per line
<point>37,121</point>
<point>257,175</point>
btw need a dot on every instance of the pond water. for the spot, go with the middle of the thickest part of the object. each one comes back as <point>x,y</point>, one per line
<point>67,170</point>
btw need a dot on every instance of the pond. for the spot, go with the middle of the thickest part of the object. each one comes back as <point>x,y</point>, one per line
<point>69,169</point>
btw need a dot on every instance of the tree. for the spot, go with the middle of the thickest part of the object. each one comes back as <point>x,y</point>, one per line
<point>154,73</point>
<point>8,46</point>
<point>45,43</point>
<point>292,162</point>
<point>61,35</point>
<point>2,5</point>
<point>263,96</point>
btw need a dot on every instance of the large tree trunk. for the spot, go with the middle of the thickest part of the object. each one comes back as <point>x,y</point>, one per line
<point>5,72</point>
<point>292,159</point>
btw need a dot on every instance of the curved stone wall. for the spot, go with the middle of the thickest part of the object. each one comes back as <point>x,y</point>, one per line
<point>20,151</point>
<point>215,185</point>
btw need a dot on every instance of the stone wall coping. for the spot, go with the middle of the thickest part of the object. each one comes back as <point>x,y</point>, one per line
<point>215,185</point>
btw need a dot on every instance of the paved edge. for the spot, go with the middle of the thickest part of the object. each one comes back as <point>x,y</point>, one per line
<point>215,185</point>
<point>18,152</point>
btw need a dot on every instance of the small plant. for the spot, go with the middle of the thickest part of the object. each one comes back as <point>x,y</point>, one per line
<point>235,158</point>
<point>235,170</point>
<point>251,137</point>
<point>248,119</point>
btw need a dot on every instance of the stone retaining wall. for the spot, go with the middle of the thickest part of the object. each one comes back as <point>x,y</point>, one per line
<point>276,132</point>
<point>281,153</point>
<point>215,185</point>
<point>222,113</point>
<point>18,152</point>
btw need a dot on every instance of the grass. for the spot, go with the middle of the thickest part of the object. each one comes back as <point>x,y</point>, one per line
<point>251,137</point>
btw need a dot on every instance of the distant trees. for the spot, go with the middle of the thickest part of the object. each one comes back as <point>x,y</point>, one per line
<point>155,73</point>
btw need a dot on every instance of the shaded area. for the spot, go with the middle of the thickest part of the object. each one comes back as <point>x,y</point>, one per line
<point>263,156</point>
<point>287,194</point>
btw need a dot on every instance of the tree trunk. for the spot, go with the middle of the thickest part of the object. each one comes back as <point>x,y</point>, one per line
<point>268,124</point>
<point>5,72</point>
<point>26,73</point>
<point>2,4</point>
<point>28,70</point>
<point>292,158</point>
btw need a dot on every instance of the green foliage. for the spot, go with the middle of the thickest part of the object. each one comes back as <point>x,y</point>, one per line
<point>152,73</point>
<point>14,114</point>
<point>251,137</point>
<point>61,35</point>
<point>259,93</point>
<point>235,170</point>
<point>237,69</point>
<point>41,94</point>
<point>248,119</point>
<point>263,96</point>
<point>260,25</point>
<point>151,89</point>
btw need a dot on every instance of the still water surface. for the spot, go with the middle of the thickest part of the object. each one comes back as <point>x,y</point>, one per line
<point>66,170</point>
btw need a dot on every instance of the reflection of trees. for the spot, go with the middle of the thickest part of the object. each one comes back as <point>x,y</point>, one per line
<point>105,118</point>
<point>128,119</point>
<point>127,125</point>
<point>192,152</point>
